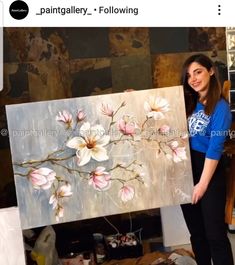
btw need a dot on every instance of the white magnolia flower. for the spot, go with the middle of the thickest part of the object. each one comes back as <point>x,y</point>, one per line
<point>64,190</point>
<point>126,193</point>
<point>169,156</point>
<point>59,213</point>
<point>90,144</point>
<point>61,192</point>
<point>42,178</point>
<point>54,201</point>
<point>156,107</point>
<point>174,144</point>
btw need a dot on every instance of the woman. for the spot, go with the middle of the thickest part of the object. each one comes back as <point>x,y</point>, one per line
<point>209,120</point>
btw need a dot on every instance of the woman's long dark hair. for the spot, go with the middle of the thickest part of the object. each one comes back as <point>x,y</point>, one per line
<point>214,92</point>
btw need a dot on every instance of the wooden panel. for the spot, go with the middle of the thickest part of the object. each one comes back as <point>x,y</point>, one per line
<point>169,40</point>
<point>90,77</point>
<point>131,72</point>
<point>49,80</point>
<point>35,44</point>
<point>207,38</point>
<point>129,41</point>
<point>87,42</point>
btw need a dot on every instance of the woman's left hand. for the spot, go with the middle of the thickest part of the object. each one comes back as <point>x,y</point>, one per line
<point>198,191</point>
<point>207,173</point>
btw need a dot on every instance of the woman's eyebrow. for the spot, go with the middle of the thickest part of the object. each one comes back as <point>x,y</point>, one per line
<point>199,68</point>
<point>194,70</point>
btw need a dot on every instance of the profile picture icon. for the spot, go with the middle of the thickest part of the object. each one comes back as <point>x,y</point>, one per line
<point>18,9</point>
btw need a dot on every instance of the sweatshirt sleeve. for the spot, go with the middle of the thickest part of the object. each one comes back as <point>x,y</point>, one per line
<point>220,125</point>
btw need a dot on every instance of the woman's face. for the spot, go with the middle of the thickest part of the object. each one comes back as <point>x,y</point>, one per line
<point>199,78</point>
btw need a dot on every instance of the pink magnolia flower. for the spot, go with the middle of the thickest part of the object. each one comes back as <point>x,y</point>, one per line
<point>164,129</point>
<point>61,192</point>
<point>106,110</point>
<point>100,179</point>
<point>42,178</point>
<point>65,117</point>
<point>90,144</point>
<point>178,153</point>
<point>156,107</point>
<point>184,136</point>
<point>126,125</point>
<point>81,115</point>
<point>126,193</point>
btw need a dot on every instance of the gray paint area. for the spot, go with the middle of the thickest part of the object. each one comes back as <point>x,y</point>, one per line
<point>123,152</point>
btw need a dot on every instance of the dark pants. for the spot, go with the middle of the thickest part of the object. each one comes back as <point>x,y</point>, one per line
<point>205,220</point>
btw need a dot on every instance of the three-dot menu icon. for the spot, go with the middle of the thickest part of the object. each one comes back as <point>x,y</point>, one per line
<point>219,10</point>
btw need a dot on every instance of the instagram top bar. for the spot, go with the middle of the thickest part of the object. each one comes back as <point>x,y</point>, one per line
<point>112,13</point>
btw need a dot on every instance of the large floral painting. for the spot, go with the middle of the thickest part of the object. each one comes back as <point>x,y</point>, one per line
<point>99,155</point>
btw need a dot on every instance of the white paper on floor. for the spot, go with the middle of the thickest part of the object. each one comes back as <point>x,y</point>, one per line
<point>11,239</point>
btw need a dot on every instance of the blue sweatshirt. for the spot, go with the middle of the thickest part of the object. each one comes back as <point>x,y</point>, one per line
<point>208,132</point>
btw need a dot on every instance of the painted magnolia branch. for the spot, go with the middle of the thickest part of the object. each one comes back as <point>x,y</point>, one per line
<point>48,159</point>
